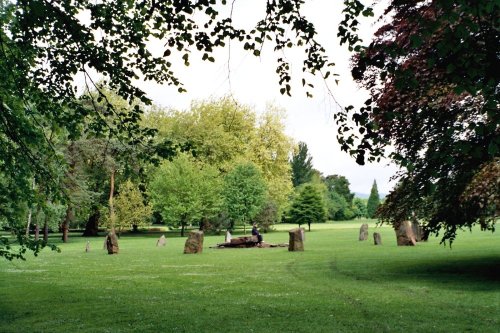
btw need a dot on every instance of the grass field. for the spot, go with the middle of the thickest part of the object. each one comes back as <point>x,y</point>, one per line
<point>337,284</point>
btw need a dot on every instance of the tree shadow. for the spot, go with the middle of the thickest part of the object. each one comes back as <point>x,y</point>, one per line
<point>478,274</point>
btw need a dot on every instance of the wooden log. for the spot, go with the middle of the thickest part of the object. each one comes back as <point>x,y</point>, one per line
<point>246,241</point>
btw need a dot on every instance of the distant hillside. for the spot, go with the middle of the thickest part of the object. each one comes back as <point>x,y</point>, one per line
<point>367,195</point>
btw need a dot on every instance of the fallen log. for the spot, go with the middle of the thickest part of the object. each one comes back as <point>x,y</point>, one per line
<point>246,242</point>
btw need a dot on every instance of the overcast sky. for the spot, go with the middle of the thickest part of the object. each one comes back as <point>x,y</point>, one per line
<point>253,81</point>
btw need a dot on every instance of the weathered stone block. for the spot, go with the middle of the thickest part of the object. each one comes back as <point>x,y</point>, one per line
<point>296,242</point>
<point>162,241</point>
<point>112,243</point>
<point>194,243</point>
<point>377,239</point>
<point>404,234</point>
<point>417,231</point>
<point>363,232</point>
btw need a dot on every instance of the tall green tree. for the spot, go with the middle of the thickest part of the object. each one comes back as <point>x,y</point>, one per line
<point>359,207</point>
<point>338,198</point>
<point>131,210</point>
<point>373,201</point>
<point>338,208</point>
<point>339,184</point>
<point>218,132</point>
<point>267,216</point>
<point>244,193</point>
<point>301,163</point>
<point>223,133</point>
<point>308,207</point>
<point>271,149</point>
<point>184,191</point>
<point>432,73</point>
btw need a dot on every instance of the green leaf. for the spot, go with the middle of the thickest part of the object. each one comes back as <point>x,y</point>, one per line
<point>493,149</point>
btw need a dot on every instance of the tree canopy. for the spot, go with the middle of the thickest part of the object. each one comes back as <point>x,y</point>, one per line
<point>308,207</point>
<point>131,210</point>
<point>302,168</point>
<point>244,193</point>
<point>432,73</point>
<point>184,191</point>
<point>339,184</point>
<point>373,201</point>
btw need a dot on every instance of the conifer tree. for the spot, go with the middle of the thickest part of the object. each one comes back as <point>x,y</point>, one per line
<point>308,207</point>
<point>302,169</point>
<point>373,201</point>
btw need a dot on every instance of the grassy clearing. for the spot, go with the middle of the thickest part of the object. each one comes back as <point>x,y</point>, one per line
<point>337,284</point>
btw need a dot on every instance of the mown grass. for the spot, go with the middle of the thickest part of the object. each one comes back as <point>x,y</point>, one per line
<point>337,284</point>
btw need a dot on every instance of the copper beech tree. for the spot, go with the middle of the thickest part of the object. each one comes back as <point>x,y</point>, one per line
<point>432,71</point>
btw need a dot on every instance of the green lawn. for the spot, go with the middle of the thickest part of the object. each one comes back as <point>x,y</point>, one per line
<point>337,284</point>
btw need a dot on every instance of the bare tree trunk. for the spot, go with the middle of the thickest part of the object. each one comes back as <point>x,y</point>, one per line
<point>111,195</point>
<point>46,229</point>
<point>29,212</point>
<point>37,226</point>
<point>65,225</point>
<point>29,223</point>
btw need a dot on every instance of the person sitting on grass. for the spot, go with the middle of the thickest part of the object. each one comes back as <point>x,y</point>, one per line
<point>255,232</point>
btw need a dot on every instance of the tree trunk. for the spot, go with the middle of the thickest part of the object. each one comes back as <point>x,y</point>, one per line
<point>309,225</point>
<point>111,195</point>
<point>183,224</point>
<point>29,214</point>
<point>65,225</point>
<point>92,226</point>
<point>37,226</point>
<point>29,223</point>
<point>46,229</point>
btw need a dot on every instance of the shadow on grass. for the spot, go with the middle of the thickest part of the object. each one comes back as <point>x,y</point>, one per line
<point>475,274</point>
<point>479,274</point>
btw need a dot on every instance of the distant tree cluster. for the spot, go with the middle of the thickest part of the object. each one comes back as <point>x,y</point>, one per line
<point>318,198</point>
<point>231,169</point>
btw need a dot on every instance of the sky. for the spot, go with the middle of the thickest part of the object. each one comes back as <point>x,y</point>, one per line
<point>253,81</point>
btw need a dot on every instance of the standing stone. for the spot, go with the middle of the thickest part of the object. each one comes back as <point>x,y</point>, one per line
<point>404,234</point>
<point>228,237</point>
<point>162,241</point>
<point>377,239</point>
<point>87,247</point>
<point>194,243</point>
<point>296,242</point>
<point>417,231</point>
<point>112,243</point>
<point>363,232</point>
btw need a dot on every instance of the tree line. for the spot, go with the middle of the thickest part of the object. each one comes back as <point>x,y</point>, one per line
<point>215,166</point>
<point>431,72</point>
